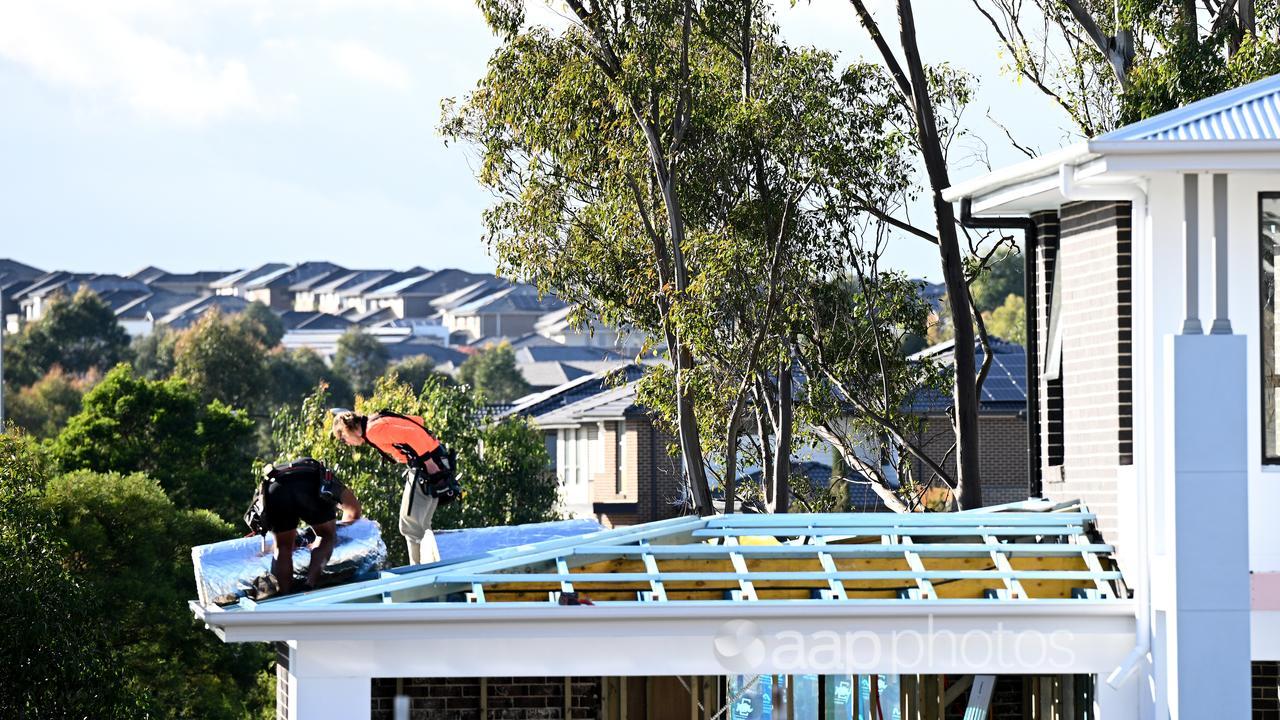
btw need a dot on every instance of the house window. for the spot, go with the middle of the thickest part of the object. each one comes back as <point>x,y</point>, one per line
<point>568,457</point>
<point>584,455</point>
<point>1269,241</point>
<point>549,439</point>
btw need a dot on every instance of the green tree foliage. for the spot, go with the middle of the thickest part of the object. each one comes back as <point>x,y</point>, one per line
<point>270,328</point>
<point>859,388</point>
<point>224,359</point>
<point>153,353</point>
<point>997,281</point>
<point>503,464</point>
<point>128,541</point>
<point>295,374</point>
<point>1009,321</point>
<point>56,657</point>
<point>200,453</point>
<point>417,371</point>
<point>1183,51</point>
<point>675,168</point>
<point>361,359</point>
<point>1185,62</point>
<point>78,334</point>
<point>492,372</point>
<point>43,409</point>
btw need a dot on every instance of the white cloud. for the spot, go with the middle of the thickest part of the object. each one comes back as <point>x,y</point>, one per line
<point>365,64</point>
<point>105,50</point>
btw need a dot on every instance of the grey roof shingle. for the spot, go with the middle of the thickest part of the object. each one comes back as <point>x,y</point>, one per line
<point>609,404</point>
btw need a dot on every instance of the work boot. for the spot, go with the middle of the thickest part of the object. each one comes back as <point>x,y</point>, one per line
<point>263,587</point>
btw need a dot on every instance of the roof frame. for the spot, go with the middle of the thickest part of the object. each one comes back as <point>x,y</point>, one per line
<point>800,558</point>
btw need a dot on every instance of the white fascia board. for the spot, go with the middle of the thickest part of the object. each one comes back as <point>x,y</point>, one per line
<point>1182,147</point>
<point>1002,187</point>
<point>1172,160</point>
<point>911,637</point>
<point>1002,196</point>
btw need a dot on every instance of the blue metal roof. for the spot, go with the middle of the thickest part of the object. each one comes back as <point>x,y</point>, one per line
<point>1025,553</point>
<point>1251,112</point>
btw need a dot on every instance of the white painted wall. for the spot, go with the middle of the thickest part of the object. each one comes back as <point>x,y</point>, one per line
<point>1163,310</point>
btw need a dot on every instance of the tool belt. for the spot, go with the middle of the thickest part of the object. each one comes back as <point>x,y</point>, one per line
<point>442,484</point>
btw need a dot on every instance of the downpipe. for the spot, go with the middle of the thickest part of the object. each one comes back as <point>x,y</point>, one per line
<point>1135,193</point>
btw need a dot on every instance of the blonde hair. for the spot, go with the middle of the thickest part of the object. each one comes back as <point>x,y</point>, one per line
<point>346,421</point>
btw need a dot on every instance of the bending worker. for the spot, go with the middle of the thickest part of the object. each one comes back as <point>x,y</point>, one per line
<point>304,490</point>
<point>402,439</point>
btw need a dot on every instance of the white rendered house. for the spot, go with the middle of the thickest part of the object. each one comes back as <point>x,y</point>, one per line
<point>1153,257</point>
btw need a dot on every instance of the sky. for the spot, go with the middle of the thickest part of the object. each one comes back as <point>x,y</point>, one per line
<point>221,134</point>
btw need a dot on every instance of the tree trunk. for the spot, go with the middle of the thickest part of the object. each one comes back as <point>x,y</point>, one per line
<point>1248,19</point>
<point>691,441</point>
<point>782,456</point>
<point>968,490</point>
<point>686,417</point>
<point>730,485</point>
<point>1190,26</point>
<point>766,449</point>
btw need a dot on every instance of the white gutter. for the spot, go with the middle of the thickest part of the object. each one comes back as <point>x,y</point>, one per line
<point>1135,193</point>
<point>1037,169</point>
<point>368,614</point>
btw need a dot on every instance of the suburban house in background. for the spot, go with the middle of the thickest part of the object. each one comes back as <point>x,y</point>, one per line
<point>194,283</point>
<point>273,288</point>
<point>1002,422</point>
<point>509,312</point>
<point>236,283</point>
<point>613,460</point>
<point>411,296</point>
<point>1153,344</point>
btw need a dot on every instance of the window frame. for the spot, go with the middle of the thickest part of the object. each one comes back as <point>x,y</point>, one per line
<point>1263,197</point>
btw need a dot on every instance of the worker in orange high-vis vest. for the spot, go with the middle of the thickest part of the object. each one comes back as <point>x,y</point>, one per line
<point>402,439</point>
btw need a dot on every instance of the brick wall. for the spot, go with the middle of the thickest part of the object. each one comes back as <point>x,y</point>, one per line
<point>604,483</point>
<point>1096,438</point>
<point>651,479</point>
<point>1050,390</point>
<point>534,698</point>
<point>1266,691</point>
<point>1002,454</point>
<point>282,680</point>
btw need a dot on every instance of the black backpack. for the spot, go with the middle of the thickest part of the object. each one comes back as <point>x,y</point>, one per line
<point>256,516</point>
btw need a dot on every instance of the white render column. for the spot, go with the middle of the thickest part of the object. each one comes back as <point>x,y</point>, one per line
<point>1202,644</point>
<point>1122,703</point>
<point>323,687</point>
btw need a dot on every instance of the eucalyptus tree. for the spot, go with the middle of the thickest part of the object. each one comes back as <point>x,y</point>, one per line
<point>673,166</point>
<point>1108,62</point>
<point>930,95</point>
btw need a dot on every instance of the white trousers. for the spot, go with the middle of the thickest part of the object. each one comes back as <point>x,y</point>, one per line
<point>416,510</point>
